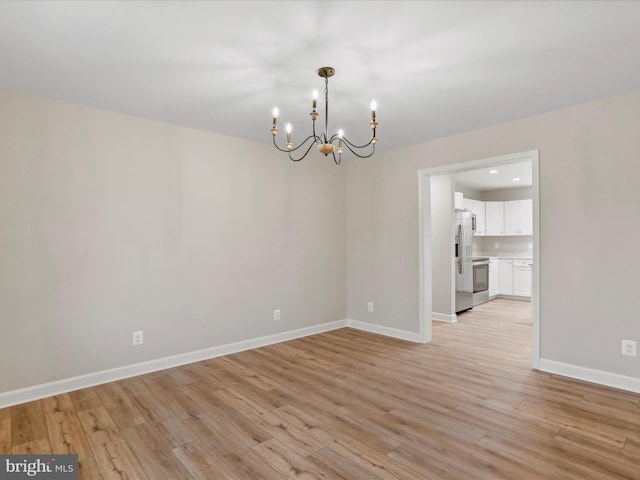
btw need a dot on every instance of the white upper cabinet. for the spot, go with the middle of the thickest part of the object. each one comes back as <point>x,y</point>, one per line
<point>477,207</point>
<point>526,216</point>
<point>494,218</point>
<point>501,218</point>
<point>518,217</point>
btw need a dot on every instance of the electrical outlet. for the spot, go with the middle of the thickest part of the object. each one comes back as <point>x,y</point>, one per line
<point>138,339</point>
<point>629,348</point>
<point>496,245</point>
<point>276,314</point>
<point>370,306</point>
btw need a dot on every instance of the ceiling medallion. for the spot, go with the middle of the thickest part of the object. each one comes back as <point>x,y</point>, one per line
<point>326,143</point>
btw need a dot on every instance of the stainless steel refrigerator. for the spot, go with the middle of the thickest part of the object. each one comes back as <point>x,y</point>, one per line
<point>464,224</point>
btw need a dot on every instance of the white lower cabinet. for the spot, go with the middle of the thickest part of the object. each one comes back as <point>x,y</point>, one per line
<point>522,278</point>
<point>494,277</point>
<point>506,276</point>
<point>510,276</point>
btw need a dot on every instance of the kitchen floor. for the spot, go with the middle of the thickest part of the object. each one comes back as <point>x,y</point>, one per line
<point>518,311</point>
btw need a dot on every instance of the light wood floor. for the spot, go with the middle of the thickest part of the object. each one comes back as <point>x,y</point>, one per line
<point>347,405</point>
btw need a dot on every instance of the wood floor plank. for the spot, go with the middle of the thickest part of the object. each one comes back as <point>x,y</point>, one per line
<point>226,419</point>
<point>111,452</point>
<point>203,463</point>
<point>178,433</point>
<point>288,462</point>
<point>36,447</point>
<point>28,423</point>
<point>88,469</point>
<point>164,387</point>
<point>340,467</point>
<point>119,404</point>
<point>85,399</point>
<point>145,401</point>
<point>433,463</point>
<point>153,452</point>
<point>65,432</point>
<point>361,454</point>
<point>229,450</point>
<point>294,438</point>
<point>248,374</point>
<point>5,433</point>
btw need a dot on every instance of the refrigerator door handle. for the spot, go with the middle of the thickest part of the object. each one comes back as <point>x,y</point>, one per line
<point>460,248</point>
<point>463,245</point>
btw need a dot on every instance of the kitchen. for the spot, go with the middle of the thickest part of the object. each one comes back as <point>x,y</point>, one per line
<point>493,246</point>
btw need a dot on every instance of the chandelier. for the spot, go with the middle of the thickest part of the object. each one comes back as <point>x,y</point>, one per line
<point>326,143</point>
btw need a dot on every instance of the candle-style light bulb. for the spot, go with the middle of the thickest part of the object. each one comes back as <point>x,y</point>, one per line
<point>288,129</point>
<point>340,135</point>
<point>274,128</point>
<point>374,105</point>
<point>314,94</point>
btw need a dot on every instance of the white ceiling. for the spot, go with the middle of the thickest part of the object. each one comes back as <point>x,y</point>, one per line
<point>495,178</point>
<point>435,67</point>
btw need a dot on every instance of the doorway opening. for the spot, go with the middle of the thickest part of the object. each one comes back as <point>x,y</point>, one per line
<point>437,187</point>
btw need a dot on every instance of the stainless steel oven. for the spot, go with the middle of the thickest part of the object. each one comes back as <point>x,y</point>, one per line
<point>480,280</point>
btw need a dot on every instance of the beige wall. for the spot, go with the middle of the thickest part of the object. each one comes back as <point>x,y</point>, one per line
<point>589,228</point>
<point>110,224</point>
<point>506,194</point>
<point>442,246</point>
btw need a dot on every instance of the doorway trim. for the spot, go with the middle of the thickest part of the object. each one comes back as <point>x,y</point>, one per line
<point>424,238</point>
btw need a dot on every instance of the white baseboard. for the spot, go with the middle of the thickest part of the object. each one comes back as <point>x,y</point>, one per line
<point>443,317</point>
<point>512,297</point>
<point>386,331</point>
<point>623,382</point>
<point>37,392</point>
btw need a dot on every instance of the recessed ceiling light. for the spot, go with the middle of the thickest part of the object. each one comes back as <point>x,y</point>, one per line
<point>517,179</point>
<point>493,171</point>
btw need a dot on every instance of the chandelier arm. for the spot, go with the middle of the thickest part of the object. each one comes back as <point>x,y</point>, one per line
<point>305,153</point>
<point>338,160</point>
<point>373,150</point>
<point>276,145</point>
<point>310,137</point>
<point>348,143</point>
